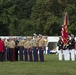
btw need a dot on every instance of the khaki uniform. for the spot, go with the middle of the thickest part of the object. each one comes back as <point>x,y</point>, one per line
<point>12,50</point>
<point>5,43</point>
<point>8,44</point>
<point>25,45</point>
<point>25,51</point>
<point>11,44</point>
<point>20,44</point>
<point>5,51</point>
<point>29,45</point>
<point>41,42</point>
<point>35,42</point>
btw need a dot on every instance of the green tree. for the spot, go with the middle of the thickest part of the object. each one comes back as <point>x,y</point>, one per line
<point>71,9</point>
<point>46,18</point>
<point>25,17</point>
<point>7,16</point>
<point>25,27</point>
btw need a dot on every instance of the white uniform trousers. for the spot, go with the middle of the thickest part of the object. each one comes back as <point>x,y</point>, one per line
<point>66,55</point>
<point>60,54</point>
<point>75,52</point>
<point>72,54</point>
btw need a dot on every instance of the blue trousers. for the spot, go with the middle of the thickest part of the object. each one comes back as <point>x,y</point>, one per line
<point>41,55</point>
<point>26,54</point>
<point>30,54</point>
<point>35,53</point>
<point>21,53</point>
<point>6,53</point>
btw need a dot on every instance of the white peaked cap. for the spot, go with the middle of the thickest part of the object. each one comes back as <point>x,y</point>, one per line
<point>40,35</point>
<point>35,34</point>
<point>72,35</point>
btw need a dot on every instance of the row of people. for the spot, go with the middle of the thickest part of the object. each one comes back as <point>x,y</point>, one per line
<point>68,50</point>
<point>27,48</point>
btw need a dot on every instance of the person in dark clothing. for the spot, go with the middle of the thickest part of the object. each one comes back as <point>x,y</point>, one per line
<point>16,49</point>
<point>71,45</point>
<point>60,48</point>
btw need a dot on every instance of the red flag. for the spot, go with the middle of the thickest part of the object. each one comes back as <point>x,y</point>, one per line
<point>64,32</point>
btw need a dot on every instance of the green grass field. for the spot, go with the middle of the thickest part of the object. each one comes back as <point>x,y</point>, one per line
<point>51,66</point>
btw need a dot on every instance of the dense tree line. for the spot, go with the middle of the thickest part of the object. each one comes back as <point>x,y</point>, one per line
<point>25,17</point>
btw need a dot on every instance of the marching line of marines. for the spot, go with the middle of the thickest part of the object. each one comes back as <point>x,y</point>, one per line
<point>28,49</point>
<point>67,51</point>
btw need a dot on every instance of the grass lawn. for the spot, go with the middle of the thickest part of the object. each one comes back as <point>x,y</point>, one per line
<point>51,66</point>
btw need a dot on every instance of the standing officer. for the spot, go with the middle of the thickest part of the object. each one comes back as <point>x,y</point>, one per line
<point>72,47</point>
<point>16,49</point>
<point>66,50</point>
<point>20,44</point>
<point>11,49</point>
<point>29,47</point>
<point>60,48</point>
<point>1,50</point>
<point>41,48</point>
<point>25,50</point>
<point>8,56</point>
<point>35,47</point>
<point>5,49</point>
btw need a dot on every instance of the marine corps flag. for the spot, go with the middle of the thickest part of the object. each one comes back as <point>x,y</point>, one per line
<point>64,32</point>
